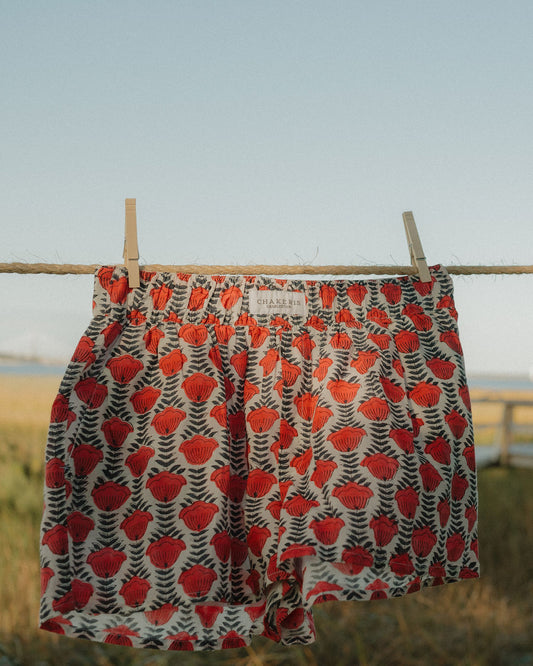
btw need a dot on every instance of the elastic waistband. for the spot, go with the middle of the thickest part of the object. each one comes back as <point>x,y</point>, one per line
<point>262,299</point>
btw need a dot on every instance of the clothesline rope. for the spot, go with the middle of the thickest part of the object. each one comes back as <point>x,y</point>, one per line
<point>252,269</point>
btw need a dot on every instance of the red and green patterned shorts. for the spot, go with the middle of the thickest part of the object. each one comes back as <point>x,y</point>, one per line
<point>226,451</point>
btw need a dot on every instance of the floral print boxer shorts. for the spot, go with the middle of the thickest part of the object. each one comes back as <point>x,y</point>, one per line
<point>226,451</point>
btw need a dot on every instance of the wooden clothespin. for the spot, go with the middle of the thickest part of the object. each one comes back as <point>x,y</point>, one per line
<point>415,247</point>
<point>131,248</point>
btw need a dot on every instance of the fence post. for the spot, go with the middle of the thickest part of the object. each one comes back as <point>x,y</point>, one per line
<point>507,424</point>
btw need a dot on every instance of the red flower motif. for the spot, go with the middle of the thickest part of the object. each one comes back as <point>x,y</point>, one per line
<point>199,386</point>
<point>165,486</point>
<point>207,613</point>
<point>401,565</point>
<point>306,405</point>
<point>304,344</point>
<point>138,460</point>
<point>86,457</point>
<point>459,486</point>
<point>151,339</point>
<point>443,507</point>
<point>342,391</point>
<point>470,456</point>
<point>430,477</point>
<point>301,463</point>
<point>236,423</point>
<point>81,592</point>
<point>299,506</point>
<point>322,414</point>
<point>425,394</point>
<point>353,495</point>
<point>84,351</point>
<point>111,332</point>
<point>124,368</point>
<point>407,500</point>
<point>230,296</point>
<point>55,473</point>
<point>375,409</point>
<point>407,341</point>
<point>327,530</point>
<point>106,562</point>
<point>456,422</point>
<point>222,545</point>
<point>145,399</point>
<point>323,471</point>
<point>256,539</point>
<point>164,552</point>
<point>166,421</point>
<point>197,298</point>
<point>379,317</point>
<point>118,290</point>
<point>59,409</point>
<point>346,439</point>
<point>393,392</point>
<point>56,539</point>
<point>392,292</point>
<point>91,392</point>
<point>465,397</point>
<point>79,526</point>
<point>452,340</point>
<point>135,525</point>
<point>199,449</point>
<point>364,361</point>
<point>416,314</point>
<point>224,333</point>
<point>160,296</point>
<point>381,466</point>
<point>172,363</point>
<point>340,341</point>
<point>259,483</point>
<point>193,334</point>
<point>471,516</point>
<point>382,340</point>
<point>262,418</point>
<point>403,438</point>
<point>115,431</point>
<point>439,450</point>
<point>441,368</point>
<point>197,580</point>
<point>135,591</point>
<point>346,317</point>
<point>356,292</point>
<point>455,546</point>
<point>384,529</point>
<point>423,541</point>
<point>327,294</point>
<point>110,496</point>
<point>160,615</point>
<point>198,515</point>
<point>354,560</point>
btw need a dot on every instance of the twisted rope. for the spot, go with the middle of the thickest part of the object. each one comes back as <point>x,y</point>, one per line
<point>254,269</point>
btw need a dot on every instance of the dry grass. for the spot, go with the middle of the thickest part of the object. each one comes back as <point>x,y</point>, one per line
<point>485,622</point>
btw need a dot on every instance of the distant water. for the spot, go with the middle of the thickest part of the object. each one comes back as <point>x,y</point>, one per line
<point>495,382</point>
<point>31,369</point>
<point>499,383</point>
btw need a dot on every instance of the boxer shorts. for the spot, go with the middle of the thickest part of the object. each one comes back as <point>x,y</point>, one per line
<point>226,451</point>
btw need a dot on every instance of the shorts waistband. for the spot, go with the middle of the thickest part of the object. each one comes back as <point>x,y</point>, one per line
<point>262,299</point>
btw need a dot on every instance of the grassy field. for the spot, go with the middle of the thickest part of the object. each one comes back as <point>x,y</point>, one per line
<point>488,621</point>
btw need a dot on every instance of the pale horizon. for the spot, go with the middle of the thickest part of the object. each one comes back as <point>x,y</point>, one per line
<point>275,133</point>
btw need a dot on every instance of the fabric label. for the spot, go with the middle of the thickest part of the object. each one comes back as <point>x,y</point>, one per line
<point>265,301</point>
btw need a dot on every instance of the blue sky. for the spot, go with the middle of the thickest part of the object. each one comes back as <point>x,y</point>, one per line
<point>268,133</point>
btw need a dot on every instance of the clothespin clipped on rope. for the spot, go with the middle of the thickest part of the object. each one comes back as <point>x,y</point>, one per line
<point>415,247</point>
<point>131,248</point>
